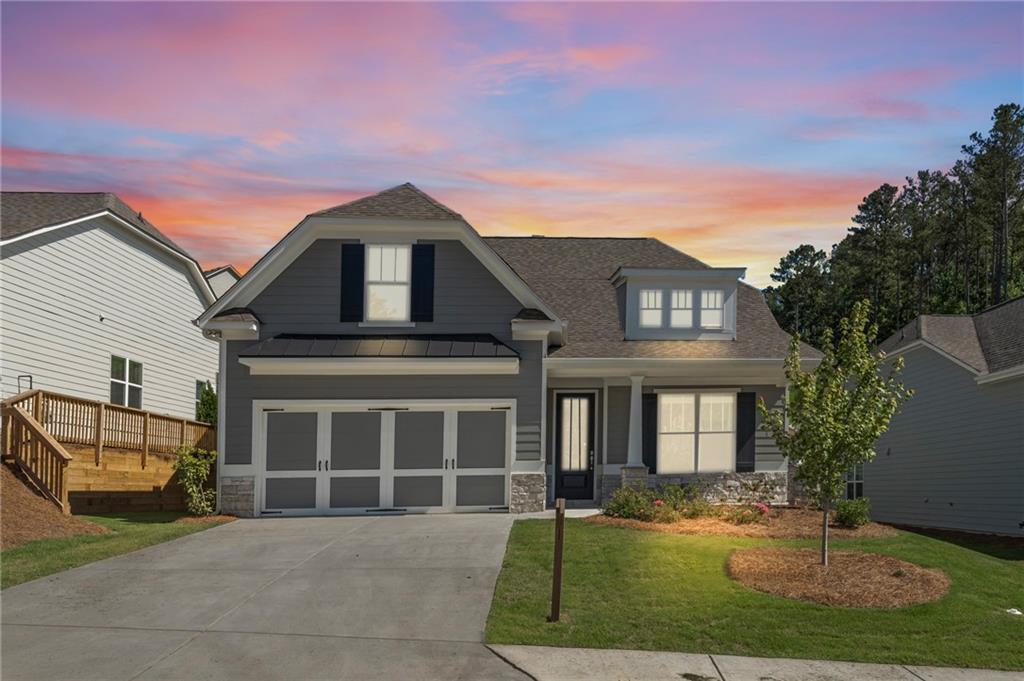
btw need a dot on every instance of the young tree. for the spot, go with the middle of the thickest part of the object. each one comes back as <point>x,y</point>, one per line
<point>835,413</point>
<point>206,408</point>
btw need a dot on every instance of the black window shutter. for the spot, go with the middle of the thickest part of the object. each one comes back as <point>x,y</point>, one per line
<point>649,421</point>
<point>353,264</point>
<point>422,308</point>
<point>746,428</point>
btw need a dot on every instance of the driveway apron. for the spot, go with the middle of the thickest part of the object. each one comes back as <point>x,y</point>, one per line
<point>401,597</point>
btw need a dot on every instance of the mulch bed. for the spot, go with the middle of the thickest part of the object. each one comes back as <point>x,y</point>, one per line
<point>852,579</point>
<point>782,523</point>
<point>25,515</point>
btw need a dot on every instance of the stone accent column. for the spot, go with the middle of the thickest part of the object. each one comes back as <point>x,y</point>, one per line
<point>634,476</point>
<point>529,490</point>
<point>237,496</point>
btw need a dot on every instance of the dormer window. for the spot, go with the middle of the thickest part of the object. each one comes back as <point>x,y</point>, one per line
<point>681,316</point>
<point>712,308</point>
<point>650,308</point>
<point>387,283</point>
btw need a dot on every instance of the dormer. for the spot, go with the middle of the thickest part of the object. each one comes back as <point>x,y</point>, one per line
<point>677,304</point>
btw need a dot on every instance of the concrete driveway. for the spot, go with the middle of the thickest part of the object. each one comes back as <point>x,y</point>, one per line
<point>316,598</point>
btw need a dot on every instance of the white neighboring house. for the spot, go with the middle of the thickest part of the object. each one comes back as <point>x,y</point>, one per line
<point>221,278</point>
<point>95,302</point>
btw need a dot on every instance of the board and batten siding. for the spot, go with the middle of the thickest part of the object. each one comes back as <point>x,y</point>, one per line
<point>954,456</point>
<point>73,297</point>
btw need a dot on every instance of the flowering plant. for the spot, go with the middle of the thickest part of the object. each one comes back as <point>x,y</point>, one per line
<point>762,507</point>
<point>659,502</point>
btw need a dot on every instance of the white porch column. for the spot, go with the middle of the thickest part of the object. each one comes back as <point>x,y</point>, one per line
<point>635,451</point>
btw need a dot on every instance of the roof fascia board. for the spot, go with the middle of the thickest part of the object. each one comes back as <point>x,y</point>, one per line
<point>711,273</point>
<point>1001,375</point>
<point>380,366</point>
<point>771,370</point>
<point>318,227</point>
<point>193,266</point>
<point>921,343</point>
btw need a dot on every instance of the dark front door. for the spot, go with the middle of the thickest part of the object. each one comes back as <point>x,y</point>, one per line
<point>574,451</point>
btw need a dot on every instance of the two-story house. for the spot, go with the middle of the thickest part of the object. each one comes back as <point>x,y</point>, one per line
<point>384,357</point>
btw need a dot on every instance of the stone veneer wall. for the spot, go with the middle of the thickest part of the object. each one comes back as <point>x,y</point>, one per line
<point>720,487</point>
<point>529,491</point>
<point>237,496</point>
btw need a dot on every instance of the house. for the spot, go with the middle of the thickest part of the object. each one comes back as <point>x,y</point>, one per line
<point>221,278</point>
<point>953,457</point>
<point>383,356</point>
<point>99,304</point>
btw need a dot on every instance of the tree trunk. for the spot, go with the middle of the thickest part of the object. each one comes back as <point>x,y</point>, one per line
<point>824,533</point>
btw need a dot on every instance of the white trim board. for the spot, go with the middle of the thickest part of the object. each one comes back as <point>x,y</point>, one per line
<point>379,366</point>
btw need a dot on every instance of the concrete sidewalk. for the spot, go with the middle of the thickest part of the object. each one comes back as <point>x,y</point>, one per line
<point>585,664</point>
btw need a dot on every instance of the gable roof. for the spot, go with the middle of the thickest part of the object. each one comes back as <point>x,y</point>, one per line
<point>573,275</point>
<point>404,202</point>
<point>214,271</point>
<point>989,341</point>
<point>22,213</point>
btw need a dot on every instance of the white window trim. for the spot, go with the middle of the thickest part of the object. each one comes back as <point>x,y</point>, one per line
<point>127,383</point>
<point>641,309</point>
<point>672,307</point>
<point>696,425</point>
<point>721,308</point>
<point>367,321</point>
<point>852,478</point>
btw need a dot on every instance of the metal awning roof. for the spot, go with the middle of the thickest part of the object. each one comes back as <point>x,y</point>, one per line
<point>383,346</point>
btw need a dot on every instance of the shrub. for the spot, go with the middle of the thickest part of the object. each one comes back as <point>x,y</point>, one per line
<point>193,466</point>
<point>635,503</point>
<point>746,514</point>
<point>853,513</point>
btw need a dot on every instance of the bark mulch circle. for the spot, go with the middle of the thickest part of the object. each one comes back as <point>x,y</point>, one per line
<point>852,579</point>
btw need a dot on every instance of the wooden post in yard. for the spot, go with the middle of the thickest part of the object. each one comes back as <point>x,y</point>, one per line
<point>145,439</point>
<point>99,432</point>
<point>556,577</point>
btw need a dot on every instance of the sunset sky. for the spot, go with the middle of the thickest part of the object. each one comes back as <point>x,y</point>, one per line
<point>732,131</point>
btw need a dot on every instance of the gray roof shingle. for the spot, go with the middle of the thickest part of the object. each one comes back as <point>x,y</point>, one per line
<point>573,276</point>
<point>25,212</point>
<point>404,201</point>
<point>1001,333</point>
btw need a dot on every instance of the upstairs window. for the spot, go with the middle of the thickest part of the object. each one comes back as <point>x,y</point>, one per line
<point>712,308</point>
<point>650,308</point>
<point>387,283</point>
<point>125,382</point>
<point>682,309</point>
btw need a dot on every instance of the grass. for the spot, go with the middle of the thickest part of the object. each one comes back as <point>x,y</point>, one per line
<point>633,589</point>
<point>128,532</point>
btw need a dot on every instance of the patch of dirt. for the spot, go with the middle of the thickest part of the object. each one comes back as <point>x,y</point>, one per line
<point>782,523</point>
<point>206,519</point>
<point>852,579</point>
<point>26,515</point>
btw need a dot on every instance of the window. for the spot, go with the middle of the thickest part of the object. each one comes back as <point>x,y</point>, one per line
<point>650,308</point>
<point>712,308</point>
<point>387,283</point>
<point>125,382</point>
<point>682,309</point>
<point>855,482</point>
<point>696,432</point>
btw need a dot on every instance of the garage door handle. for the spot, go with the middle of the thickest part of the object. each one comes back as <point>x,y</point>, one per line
<point>318,463</point>
<point>446,464</point>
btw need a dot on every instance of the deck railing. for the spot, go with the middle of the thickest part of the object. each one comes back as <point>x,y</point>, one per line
<point>40,457</point>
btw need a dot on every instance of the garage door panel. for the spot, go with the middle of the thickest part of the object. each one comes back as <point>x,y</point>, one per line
<point>291,441</point>
<point>419,490</point>
<point>355,440</point>
<point>481,439</point>
<point>291,493</point>
<point>480,490</point>
<point>419,440</point>
<point>355,492</point>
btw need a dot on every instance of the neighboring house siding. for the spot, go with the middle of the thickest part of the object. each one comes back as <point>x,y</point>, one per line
<point>467,297</point>
<point>221,282</point>
<point>954,456</point>
<point>75,296</point>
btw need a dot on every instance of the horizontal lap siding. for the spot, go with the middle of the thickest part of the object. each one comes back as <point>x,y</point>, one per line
<point>57,286</point>
<point>306,298</point>
<point>618,424</point>
<point>954,456</point>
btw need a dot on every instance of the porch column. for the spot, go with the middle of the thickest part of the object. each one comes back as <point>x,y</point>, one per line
<point>635,451</point>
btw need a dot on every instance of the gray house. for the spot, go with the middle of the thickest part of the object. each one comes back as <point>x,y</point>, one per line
<point>384,356</point>
<point>954,456</point>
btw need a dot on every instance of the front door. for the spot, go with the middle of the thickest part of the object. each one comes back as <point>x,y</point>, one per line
<point>574,476</point>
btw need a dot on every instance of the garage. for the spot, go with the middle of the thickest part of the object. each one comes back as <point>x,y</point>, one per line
<point>383,457</point>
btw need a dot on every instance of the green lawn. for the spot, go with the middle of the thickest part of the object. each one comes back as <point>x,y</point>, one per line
<point>652,591</point>
<point>129,531</point>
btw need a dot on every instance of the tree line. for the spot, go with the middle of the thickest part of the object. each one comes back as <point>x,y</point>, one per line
<point>943,243</point>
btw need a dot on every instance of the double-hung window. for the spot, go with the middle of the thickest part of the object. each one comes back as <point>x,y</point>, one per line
<point>855,482</point>
<point>681,316</point>
<point>696,432</point>
<point>712,308</point>
<point>125,382</point>
<point>650,308</point>
<point>387,283</point>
